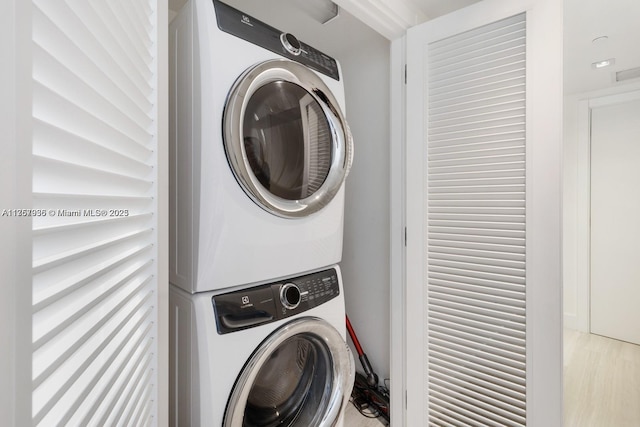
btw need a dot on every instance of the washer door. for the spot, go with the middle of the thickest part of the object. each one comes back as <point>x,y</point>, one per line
<point>301,375</point>
<point>286,139</point>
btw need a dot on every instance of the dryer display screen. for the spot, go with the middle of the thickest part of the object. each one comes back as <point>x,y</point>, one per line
<point>267,303</point>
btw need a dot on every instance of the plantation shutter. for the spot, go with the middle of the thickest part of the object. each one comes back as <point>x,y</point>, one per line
<point>94,330</point>
<point>475,285</point>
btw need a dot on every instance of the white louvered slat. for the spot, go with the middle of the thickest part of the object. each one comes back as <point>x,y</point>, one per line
<point>69,35</point>
<point>50,357</point>
<point>476,289</point>
<point>131,42</point>
<point>121,394</point>
<point>94,263</point>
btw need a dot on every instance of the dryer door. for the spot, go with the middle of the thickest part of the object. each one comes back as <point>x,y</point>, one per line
<point>286,138</point>
<point>301,376</point>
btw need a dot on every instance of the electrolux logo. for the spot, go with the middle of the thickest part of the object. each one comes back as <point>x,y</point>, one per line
<point>246,20</point>
<point>246,303</point>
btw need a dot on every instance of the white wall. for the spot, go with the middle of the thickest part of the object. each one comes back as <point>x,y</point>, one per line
<point>366,256</point>
<point>615,230</point>
<point>576,204</point>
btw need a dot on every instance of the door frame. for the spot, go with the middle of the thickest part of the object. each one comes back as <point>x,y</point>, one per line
<point>544,301</point>
<point>16,193</point>
<point>397,236</point>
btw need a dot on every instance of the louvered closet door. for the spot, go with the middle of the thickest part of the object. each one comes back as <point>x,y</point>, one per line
<point>95,232</point>
<point>480,165</point>
<point>476,226</point>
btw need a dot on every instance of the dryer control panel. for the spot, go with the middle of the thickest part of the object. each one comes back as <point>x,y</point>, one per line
<point>267,303</point>
<point>233,21</point>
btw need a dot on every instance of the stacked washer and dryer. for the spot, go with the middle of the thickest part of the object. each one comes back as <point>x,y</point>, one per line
<point>260,151</point>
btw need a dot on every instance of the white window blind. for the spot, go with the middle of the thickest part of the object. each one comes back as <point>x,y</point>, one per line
<point>475,286</point>
<point>94,229</point>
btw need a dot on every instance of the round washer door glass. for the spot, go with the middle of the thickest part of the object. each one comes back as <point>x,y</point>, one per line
<point>286,139</point>
<point>301,376</point>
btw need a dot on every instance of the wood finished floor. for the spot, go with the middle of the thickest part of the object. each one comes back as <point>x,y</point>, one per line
<point>601,381</point>
<point>601,384</point>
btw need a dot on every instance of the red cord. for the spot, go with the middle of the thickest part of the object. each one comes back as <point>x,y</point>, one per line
<point>354,338</point>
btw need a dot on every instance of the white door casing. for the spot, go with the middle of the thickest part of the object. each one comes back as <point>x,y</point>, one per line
<point>539,300</point>
<point>15,193</point>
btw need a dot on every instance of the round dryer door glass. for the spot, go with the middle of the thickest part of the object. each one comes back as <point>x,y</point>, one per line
<point>301,376</point>
<point>286,138</point>
<point>290,389</point>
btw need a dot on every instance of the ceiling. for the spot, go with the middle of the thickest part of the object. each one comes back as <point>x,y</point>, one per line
<point>584,20</point>
<point>434,8</point>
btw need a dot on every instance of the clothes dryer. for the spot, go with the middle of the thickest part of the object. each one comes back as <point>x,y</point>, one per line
<point>259,150</point>
<point>268,354</point>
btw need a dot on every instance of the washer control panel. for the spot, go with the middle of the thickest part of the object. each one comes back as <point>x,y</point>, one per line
<point>251,307</point>
<point>233,21</point>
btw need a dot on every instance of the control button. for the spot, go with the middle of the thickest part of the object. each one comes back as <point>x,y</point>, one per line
<point>291,43</point>
<point>290,296</point>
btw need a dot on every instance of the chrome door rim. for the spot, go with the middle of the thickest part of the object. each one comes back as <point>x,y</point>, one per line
<point>343,369</point>
<point>341,146</point>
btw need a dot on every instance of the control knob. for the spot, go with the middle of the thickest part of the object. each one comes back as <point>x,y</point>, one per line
<point>291,43</point>
<point>290,295</point>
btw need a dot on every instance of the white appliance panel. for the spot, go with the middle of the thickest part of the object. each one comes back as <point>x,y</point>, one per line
<point>220,237</point>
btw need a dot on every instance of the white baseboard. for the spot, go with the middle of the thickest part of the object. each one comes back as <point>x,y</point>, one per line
<point>573,321</point>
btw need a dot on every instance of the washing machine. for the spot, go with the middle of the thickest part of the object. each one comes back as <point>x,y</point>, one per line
<point>268,354</point>
<point>259,150</point>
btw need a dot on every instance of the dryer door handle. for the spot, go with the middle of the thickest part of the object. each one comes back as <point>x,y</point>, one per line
<point>231,321</point>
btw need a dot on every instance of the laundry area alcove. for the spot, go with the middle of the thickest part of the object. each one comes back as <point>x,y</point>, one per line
<point>436,227</point>
<point>364,58</point>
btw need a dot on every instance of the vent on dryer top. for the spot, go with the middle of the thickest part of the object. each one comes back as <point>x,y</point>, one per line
<point>323,11</point>
<point>631,73</point>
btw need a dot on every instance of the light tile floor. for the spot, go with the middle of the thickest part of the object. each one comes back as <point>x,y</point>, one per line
<point>353,418</point>
<point>601,384</point>
<point>601,381</point>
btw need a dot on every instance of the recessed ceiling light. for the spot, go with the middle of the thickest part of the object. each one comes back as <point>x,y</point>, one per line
<point>600,40</point>
<point>603,64</point>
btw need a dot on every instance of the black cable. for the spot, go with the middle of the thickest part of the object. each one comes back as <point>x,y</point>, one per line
<point>371,402</point>
<point>370,414</point>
